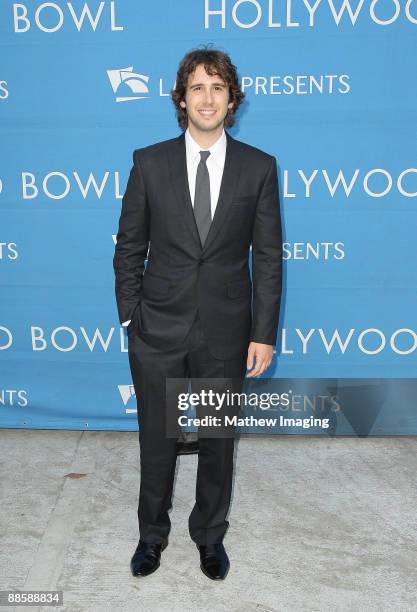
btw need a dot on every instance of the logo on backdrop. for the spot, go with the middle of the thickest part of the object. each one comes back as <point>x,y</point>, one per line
<point>127,392</point>
<point>247,14</point>
<point>124,79</point>
<point>4,92</point>
<point>59,185</point>
<point>51,17</point>
<point>129,85</point>
<point>323,251</point>
<point>13,397</point>
<point>300,184</point>
<point>296,84</point>
<point>295,341</point>
<point>8,250</point>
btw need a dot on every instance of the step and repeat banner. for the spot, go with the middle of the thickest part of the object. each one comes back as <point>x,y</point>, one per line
<point>330,91</point>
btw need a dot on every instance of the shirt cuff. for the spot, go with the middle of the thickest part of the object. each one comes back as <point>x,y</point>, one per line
<point>126,323</point>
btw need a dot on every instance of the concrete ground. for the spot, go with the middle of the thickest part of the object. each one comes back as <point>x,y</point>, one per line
<point>316,525</point>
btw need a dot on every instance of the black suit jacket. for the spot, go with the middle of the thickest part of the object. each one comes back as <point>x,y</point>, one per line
<point>181,275</point>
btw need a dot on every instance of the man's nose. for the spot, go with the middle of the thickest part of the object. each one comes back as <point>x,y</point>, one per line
<point>208,98</point>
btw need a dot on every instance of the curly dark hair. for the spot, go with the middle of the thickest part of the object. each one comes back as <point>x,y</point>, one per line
<point>215,62</point>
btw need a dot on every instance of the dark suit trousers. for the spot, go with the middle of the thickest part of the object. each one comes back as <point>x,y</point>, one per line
<point>158,453</point>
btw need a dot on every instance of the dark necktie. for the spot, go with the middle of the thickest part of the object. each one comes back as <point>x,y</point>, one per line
<point>202,202</point>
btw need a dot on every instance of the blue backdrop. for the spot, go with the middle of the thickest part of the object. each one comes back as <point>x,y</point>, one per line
<point>330,91</point>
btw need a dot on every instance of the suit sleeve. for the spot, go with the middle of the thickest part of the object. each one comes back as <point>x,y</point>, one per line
<point>132,243</point>
<point>267,261</point>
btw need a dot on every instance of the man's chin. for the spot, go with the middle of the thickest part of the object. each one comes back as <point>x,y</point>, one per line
<point>207,126</point>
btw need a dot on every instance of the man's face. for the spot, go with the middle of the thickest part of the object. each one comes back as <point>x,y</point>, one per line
<point>206,100</point>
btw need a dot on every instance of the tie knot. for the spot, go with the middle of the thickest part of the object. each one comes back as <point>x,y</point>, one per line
<point>204,155</point>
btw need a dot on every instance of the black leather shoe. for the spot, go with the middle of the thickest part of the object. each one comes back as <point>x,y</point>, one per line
<point>146,558</point>
<point>214,561</point>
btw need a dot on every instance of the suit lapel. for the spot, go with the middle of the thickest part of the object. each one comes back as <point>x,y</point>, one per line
<point>228,186</point>
<point>178,169</point>
<point>179,178</point>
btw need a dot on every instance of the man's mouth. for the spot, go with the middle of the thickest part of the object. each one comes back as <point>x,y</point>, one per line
<point>207,112</point>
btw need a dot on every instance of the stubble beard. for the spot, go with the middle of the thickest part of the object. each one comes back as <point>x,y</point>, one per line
<point>202,126</point>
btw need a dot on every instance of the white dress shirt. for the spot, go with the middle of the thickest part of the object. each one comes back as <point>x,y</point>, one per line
<point>215,165</point>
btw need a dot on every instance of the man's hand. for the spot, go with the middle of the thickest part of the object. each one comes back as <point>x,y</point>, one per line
<point>262,353</point>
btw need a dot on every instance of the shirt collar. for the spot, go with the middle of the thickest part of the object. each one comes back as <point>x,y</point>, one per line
<point>217,150</point>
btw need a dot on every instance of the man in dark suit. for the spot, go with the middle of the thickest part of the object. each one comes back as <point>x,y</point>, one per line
<point>193,207</point>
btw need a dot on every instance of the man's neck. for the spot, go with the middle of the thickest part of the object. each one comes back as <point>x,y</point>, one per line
<point>205,139</point>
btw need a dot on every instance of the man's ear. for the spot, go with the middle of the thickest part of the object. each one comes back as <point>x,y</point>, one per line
<point>182,104</point>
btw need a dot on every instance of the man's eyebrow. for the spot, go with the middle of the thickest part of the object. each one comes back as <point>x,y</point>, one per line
<point>201,84</point>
